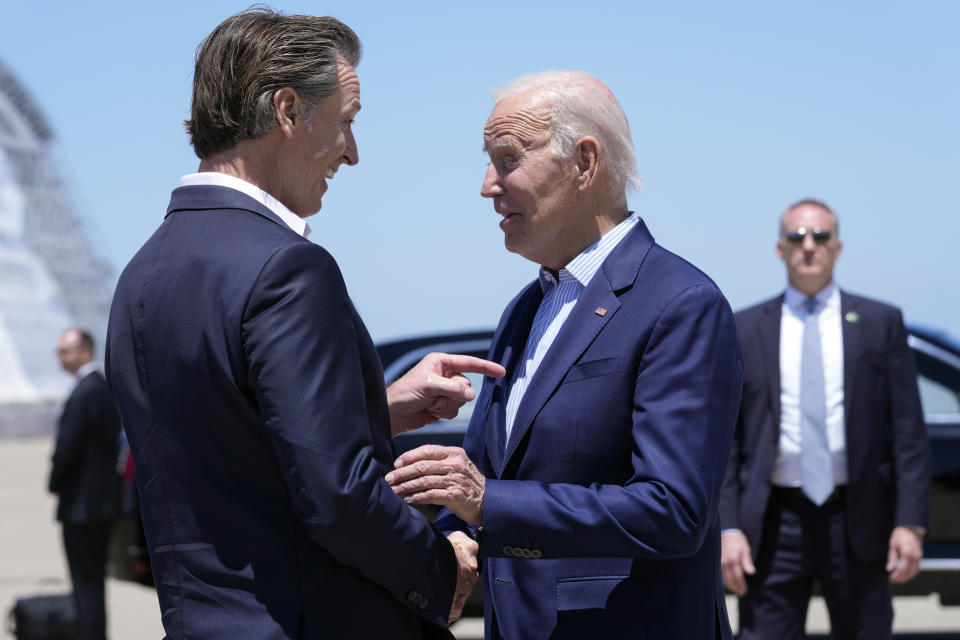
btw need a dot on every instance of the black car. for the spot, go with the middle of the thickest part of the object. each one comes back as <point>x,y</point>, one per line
<point>938,365</point>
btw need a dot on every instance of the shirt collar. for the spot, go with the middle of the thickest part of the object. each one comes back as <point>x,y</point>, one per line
<point>795,300</point>
<point>292,220</point>
<point>582,268</point>
<point>85,370</point>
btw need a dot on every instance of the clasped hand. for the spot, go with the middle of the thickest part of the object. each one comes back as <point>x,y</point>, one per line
<point>466,549</point>
<point>436,388</point>
<point>433,474</point>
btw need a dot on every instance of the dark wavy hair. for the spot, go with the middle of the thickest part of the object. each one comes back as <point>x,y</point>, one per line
<point>251,55</point>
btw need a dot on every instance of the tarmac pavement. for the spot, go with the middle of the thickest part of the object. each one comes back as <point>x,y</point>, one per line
<point>32,561</point>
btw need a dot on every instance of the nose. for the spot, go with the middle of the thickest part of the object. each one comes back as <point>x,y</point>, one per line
<point>809,244</point>
<point>491,183</point>
<point>351,155</point>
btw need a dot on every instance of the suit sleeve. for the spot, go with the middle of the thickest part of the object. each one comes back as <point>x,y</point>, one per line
<point>911,449</point>
<point>70,439</point>
<point>685,404</point>
<point>301,343</point>
<point>730,490</point>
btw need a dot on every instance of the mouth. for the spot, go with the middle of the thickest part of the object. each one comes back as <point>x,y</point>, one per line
<point>329,173</point>
<point>508,218</point>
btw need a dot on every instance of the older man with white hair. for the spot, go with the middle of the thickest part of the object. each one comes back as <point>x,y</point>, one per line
<point>591,473</point>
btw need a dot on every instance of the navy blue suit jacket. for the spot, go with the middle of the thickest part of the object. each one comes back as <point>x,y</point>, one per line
<point>84,471</point>
<point>888,459</point>
<point>254,403</point>
<point>600,513</point>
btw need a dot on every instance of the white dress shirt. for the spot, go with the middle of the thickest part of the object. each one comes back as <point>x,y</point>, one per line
<point>292,220</point>
<point>787,468</point>
<point>84,371</point>
<point>560,294</point>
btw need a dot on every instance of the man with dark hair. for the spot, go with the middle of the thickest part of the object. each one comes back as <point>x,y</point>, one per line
<point>84,476</point>
<point>251,392</point>
<point>829,475</point>
<point>590,473</point>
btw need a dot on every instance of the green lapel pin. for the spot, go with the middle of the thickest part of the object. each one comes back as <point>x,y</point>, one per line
<point>852,317</point>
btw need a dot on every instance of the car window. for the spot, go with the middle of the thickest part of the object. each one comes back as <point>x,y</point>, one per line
<point>936,397</point>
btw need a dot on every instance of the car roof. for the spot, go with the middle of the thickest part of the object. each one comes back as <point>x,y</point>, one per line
<point>397,356</point>
<point>937,337</point>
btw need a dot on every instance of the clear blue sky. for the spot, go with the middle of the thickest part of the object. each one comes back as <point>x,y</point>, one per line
<point>736,111</point>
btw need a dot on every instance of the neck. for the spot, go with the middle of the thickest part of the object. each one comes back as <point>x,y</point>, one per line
<point>594,226</point>
<point>810,289</point>
<point>247,161</point>
<point>82,365</point>
<point>613,211</point>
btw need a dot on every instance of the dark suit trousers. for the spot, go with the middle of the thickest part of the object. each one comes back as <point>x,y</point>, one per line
<point>803,543</point>
<point>86,546</point>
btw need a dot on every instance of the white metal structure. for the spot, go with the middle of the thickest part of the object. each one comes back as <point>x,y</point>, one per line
<point>50,278</point>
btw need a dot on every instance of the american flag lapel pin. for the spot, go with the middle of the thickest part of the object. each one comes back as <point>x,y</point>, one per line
<point>600,311</point>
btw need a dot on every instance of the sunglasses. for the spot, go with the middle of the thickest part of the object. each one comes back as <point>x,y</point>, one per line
<point>820,236</point>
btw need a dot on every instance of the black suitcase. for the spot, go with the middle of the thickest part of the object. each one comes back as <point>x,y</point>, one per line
<point>42,617</point>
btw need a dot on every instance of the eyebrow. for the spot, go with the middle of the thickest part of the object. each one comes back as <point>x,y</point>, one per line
<point>502,142</point>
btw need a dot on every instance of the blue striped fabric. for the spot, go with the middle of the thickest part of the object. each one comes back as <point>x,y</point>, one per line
<point>560,294</point>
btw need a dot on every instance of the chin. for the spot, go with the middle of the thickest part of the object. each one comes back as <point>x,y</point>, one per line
<point>306,212</point>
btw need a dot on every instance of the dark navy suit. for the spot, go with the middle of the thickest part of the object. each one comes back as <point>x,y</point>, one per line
<point>600,513</point>
<point>888,465</point>
<point>84,475</point>
<point>254,402</point>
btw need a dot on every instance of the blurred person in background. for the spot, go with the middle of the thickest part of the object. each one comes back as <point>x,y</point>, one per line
<point>85,479</point>
<point>829,474</point>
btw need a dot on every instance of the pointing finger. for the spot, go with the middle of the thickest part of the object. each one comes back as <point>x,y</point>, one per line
<point>457,363</point>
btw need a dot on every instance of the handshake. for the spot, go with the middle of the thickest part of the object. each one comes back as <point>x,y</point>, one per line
<point>433,474</point>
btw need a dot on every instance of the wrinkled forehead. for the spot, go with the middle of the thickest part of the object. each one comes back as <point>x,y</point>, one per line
<point>517,119</point>
<point>349,84</point>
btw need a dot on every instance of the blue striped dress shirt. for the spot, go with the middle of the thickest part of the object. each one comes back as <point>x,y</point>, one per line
<point>560,294</point>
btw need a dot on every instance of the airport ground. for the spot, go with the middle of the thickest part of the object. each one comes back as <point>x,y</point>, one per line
<point>32,561</point>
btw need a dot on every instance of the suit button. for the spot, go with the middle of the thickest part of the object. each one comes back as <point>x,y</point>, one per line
<point>416,598</point>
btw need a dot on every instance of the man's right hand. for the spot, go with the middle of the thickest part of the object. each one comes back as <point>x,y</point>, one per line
<point>735,560</point>
<point>435,388</point>
<point>466,549</point>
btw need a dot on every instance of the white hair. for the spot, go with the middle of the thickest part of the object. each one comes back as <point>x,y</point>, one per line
<point>580,105</point>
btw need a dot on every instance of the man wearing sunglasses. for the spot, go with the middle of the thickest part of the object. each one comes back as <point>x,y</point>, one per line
<point>829,472</point>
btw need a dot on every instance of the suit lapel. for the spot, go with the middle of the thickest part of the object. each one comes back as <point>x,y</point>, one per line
<point>508,352</point>
<point>851,348</point>
<point>769,338</point>
<point>618,272</point>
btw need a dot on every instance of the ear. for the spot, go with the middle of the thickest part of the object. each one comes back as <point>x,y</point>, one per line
<point>780,252</point>
<point>587,155</point>
<point>286,108</point>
